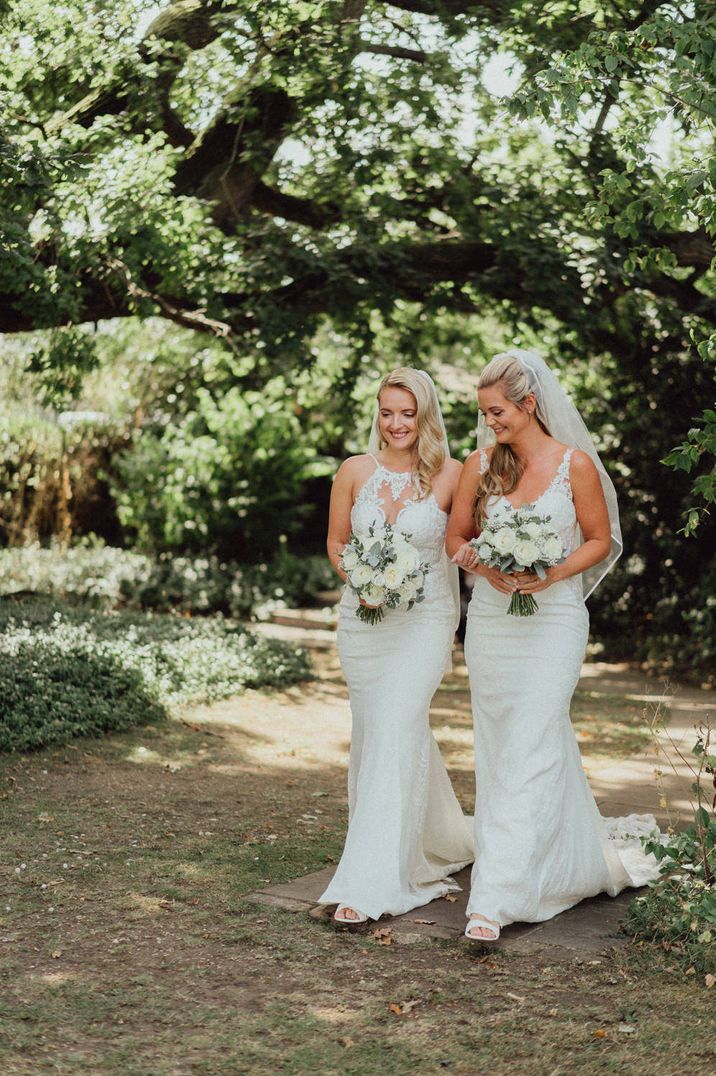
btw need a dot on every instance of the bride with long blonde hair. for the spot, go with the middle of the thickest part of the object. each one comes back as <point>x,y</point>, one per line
<point>407,833</point>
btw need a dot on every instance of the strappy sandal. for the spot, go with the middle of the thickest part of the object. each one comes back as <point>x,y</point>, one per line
<point>484,924</point>
<point>343,921</point>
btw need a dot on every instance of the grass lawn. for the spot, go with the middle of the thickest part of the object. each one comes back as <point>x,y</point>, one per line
<point>128,946</point>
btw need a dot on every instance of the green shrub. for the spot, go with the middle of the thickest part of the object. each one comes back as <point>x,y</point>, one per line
<point>66,671</point>
<point>679,910</point>
<point>233,473</point>
<point>92,572</point>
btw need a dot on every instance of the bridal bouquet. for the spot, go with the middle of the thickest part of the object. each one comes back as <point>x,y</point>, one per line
<point>383,569</point>
<point>522,542</point>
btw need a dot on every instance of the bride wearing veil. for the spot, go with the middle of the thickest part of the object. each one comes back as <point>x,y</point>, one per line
<point>407,833</point>
<point>541,844</point>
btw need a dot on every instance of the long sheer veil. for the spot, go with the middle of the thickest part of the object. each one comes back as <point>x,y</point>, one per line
<point>567,425</point>
<point>374,445</point>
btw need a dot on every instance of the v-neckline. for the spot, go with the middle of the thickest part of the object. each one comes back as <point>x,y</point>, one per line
<point>545,491</point>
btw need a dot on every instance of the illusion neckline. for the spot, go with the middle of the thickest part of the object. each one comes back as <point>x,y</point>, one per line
<point>546,490</point>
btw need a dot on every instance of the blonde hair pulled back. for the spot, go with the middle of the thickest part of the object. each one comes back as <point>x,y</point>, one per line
<point>505,469</point>
<point>430,446</point>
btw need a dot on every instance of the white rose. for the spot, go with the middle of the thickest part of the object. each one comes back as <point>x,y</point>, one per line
<point>362,575</point>
<point>349,559</point>
<point>378,579</point>
<point>373,595</point>
<point>407,560</point>
<point>484,551</point>
<point>552,547</point>
<point>533,529</point>
<point>505,540</point>
<point>393,576</point>
<point>526,552</point>
<point>487,536</point>
<point>408,590</point>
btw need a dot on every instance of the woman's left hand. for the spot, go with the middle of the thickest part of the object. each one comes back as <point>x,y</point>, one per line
<point>529,583</point>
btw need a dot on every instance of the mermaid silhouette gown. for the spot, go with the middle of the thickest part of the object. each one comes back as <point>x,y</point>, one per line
<point>541,844</point>
<point>407,833</point>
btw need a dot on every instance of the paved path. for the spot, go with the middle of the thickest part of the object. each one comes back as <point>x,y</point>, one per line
<point>624,787</point>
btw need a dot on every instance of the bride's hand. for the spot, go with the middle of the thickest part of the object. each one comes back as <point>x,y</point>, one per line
<point>504,583</point>
<point>529,583</point>
<point>466,557</point>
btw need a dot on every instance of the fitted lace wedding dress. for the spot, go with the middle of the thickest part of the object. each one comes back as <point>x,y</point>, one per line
<point>541,844</point>
<point>407,832</point>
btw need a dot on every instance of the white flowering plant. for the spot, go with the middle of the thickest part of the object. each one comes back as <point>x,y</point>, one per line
<point>384,570</point>
<point>523,542</point>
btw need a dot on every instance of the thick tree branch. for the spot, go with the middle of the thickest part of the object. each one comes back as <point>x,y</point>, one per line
<point>190,23</point>
<point>397,51</point>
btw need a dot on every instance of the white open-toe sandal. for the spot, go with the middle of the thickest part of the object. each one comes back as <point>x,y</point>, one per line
<point>344,921</point>
<point>484,924</point>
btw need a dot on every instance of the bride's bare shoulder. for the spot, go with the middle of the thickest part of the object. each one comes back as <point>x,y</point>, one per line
<point>355,468</point>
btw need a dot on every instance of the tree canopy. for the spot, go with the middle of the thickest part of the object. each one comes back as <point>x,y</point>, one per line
<point>244,168</point>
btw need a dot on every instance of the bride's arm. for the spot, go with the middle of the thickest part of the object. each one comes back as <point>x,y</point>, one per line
<point>461,528</point>
<point>593,519</point>
<point>339,515</point>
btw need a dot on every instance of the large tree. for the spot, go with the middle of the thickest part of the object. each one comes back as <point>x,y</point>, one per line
<point>245,168</point>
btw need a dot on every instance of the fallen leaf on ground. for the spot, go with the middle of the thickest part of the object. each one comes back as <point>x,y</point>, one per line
<point>56,954</point>
<point>346,1042</point>
<point>517,997</point>
<point>626,1029</point>
<point>403,1007</point>
<point>709,981</point>
<point>450,898</point>
<point>383,936</point>
<point>425,922</point>
<point>600,1033</point>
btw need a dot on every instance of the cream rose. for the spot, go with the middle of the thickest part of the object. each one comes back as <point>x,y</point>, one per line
<point>533,529</point>
<point>394,576</point>
<point>373,595</point>
<point>484,551</point>
<point>526,552</point>
<point>552,547</point>
<point>362,575</point>
<point>349,560</point>
<point>407,560</point>
<point>505,540</point>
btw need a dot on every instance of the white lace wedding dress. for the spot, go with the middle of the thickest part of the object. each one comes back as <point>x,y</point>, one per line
<point>541,844</point>
<point>407,832</point>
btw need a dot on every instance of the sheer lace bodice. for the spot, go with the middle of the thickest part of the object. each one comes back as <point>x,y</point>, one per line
<point>392,497</point>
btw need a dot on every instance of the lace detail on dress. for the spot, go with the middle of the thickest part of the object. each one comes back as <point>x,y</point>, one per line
<point>484,460</point>
<point>423,520</point>
<point>561,479</point>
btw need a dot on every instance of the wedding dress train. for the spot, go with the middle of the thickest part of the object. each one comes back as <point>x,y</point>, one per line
<point>541,844</point>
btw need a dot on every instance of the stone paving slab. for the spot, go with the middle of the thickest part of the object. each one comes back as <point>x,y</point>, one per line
<point>585,930</point>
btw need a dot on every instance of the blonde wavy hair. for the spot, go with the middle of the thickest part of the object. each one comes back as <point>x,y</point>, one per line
<point>505,469</point>
<point>430,445</point>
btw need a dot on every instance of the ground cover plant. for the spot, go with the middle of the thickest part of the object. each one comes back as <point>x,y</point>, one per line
<point>69,671</point>
<point>130,945</point>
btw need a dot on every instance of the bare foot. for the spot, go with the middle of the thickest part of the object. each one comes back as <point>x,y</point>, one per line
<point>490,931</point>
